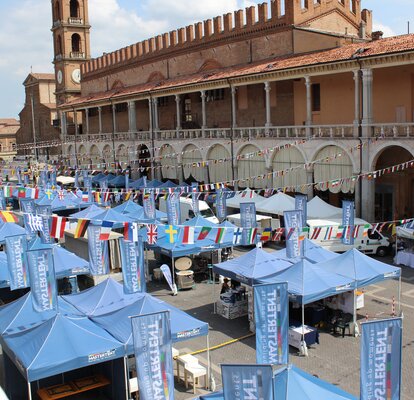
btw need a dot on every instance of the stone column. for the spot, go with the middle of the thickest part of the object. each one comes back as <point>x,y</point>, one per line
<point>132,117</point>
<point>63,123</point>
<point>233,106</point>
<point>367,186</point>
<point>367,78</point>
<point>178,110</point>
<point>309,179</point>
<point>308,84</point>
<point>155,121</point>
<point>100,119</point>
<point>203,109</point>
<point>75,122</point>
<point>357,197</point>
<point>357,103</point>
<point>114,118</point>
<point>87,120</point>
<point>268,111</point>
<point>150,123</point>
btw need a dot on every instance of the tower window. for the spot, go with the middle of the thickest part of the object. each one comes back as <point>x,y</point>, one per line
<point>316,97</point>
<point>74,9</point>
<point>57,11</point>
<point>76,41</point>
<point>59,45</point>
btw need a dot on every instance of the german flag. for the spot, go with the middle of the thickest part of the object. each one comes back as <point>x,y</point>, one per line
<point>7,216</point>
<point>81,228</point>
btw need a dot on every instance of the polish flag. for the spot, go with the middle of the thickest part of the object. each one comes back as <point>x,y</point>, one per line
<point>188,235</point>
<point>58,227</point>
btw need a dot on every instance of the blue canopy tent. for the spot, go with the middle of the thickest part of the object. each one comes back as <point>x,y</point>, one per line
<point>166,185</point>
<point>68,202</point>
<point>251,268</point>
<point>128,207</point>
<point>139,183</point>
<point>292,383</point>
<point>364,271</point>
<point>312,252</point>
<point>104,298</point>
<point>38,352</point>
<point>10,229</point>
<point>45,200</point>
<point>309,282</point>
<point>112,216</point>
<point>88,213</point>
<point>19,315</point>
<point>96,178</point>
<point>65,263</point>
<point>105,178</point>
<point>154,183</point>
<point>107,306</point>
<point>117,182</point>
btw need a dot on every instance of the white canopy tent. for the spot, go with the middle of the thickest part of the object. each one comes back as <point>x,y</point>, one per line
<point>320,209</point>
<point>246,196</point>
<point>276,204</point>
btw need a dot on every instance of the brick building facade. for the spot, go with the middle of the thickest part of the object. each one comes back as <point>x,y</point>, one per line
<point>217,100</point>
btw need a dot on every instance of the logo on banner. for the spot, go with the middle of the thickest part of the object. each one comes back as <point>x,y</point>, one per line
<point>221,209</point>
<point>194,198</point>
<point>42,279</point>
<point>247,382</point>
<point>293,225</point>
<point>16,247</point>
<point>173,209</point>
<point>381,359</point>
<point>148,202</point>
<point>348,221</point>
<point>98,252</point>
<point>153,354</point>
<point>248,220</point>
<point>132,259</point>
<point>301,203</point>
<point>99,357</point>
<point>271,312</point>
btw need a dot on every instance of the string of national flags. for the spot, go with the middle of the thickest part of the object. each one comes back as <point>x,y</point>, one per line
<point>186,235</point>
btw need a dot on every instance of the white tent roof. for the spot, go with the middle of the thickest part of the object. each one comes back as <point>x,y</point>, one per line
<point>65,180</point>
<point>277,204</point>
<point>246,196</point>
<point>333,222</point>
<point>319,209</point>
<point>405,232</point>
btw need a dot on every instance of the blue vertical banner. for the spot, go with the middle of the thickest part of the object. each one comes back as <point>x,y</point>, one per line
<point>173,209</point>
<point>271,313</point>
<point>348,221</point>
<point>245,382</point>
<point>28,206</point>
<point>132,257</point>
<point>103,184</point>
<point>194,198</point>
<point>293,231</point>
<point>84,174</point>
<point>43,178</point>
<point>53,177</point>
<point>87,183</point>
<point>127,180</point>
<point>42,279</point>
<point>221,208</point>
<point>76,179</point>
<point>148,202</point>
<point>26,179</point>
<point>153,354</point>
<point>19,176</point>
<point>301,203</point>
<point>2,200</point>
<point>381,347</point>
<point>98,252</point>
<point>45,212</point>
<point>16,247</point>
<point>248,220</point>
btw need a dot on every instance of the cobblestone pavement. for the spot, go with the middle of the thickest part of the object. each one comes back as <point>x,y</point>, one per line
<point>335,359</point>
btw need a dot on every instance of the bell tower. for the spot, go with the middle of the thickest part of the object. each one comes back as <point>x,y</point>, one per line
<point>71,46</point>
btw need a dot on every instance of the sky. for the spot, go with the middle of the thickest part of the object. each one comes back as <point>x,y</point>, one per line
<point>26,39</point>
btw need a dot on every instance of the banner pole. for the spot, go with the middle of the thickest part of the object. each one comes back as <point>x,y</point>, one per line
<point>399,295</point>
<point>126,374</point>
<point>214,293</point>
<point>208,363</point>
<point>29,388</point>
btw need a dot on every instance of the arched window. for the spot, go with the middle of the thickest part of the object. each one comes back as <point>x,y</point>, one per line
<point>59,45</point>
<point>76,43</point>
<point>74,9</point>
<point>57,11</point>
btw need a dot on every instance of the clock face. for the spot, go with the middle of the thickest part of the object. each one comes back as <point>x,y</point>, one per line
<point>59,76</point>
<point>76,75</point>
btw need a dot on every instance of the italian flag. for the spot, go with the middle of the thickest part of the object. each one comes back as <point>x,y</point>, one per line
<point>8,191</point>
